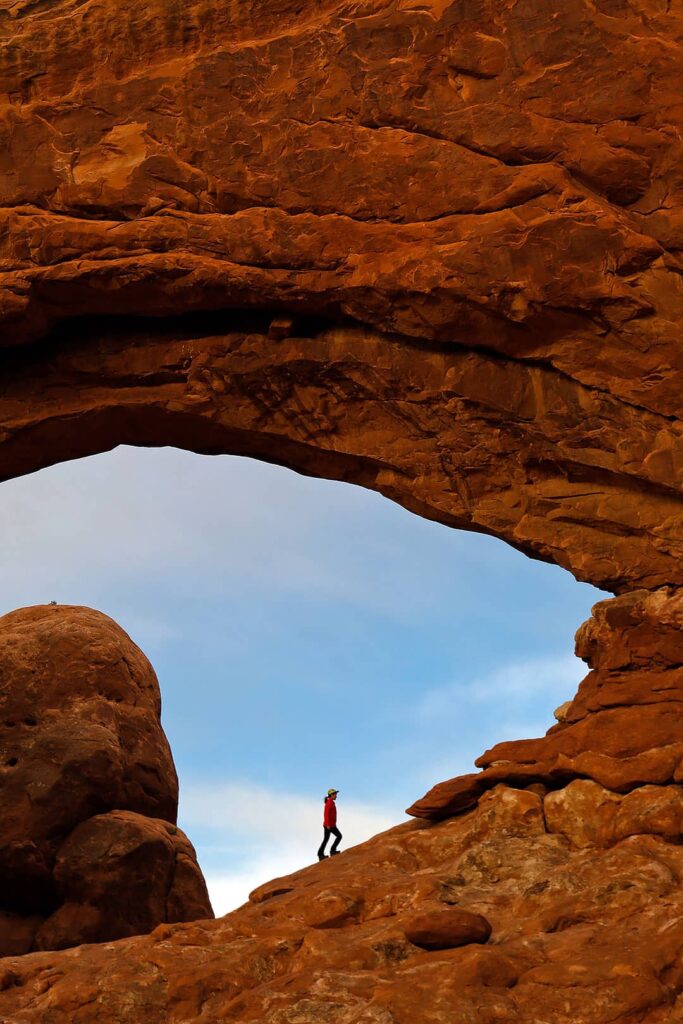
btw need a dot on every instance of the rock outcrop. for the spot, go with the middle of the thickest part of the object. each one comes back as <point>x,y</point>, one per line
<point>623,729</point>
<point>580,934</point>
<point>89,850</point>
<point>429,248</point>
<point>548,889</point>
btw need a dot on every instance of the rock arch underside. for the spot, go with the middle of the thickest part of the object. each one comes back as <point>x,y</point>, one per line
<point>433,248</point>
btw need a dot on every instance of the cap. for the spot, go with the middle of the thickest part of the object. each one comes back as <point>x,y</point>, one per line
<point>332,792</point>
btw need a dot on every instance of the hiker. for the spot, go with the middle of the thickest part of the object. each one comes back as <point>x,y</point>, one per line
<point>330,825</point>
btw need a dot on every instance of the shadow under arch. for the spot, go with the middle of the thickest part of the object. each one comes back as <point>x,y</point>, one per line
<point>509,448</point>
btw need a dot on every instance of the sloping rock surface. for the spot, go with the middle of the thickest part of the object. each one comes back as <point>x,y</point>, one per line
<point>580,935</point>
<point>80,738</point>
<point>551,891</point>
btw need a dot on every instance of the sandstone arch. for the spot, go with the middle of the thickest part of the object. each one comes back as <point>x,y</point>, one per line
<point>559,470</point>
<point>495,255</point>
<point>431,248</point>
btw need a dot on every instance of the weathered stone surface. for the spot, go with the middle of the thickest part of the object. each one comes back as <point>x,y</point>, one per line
<point>513,173</point>
<point>440,249</point>
<point>590,935</point>
<point>461,437</point>
<point>122,874</point>
<point>487,195</point>
<point>80,737</point>
<point>625,726</point>
<point>447,929</point>
<point>590,815</point>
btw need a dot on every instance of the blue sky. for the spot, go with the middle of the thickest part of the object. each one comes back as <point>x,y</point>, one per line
<point>306,634</point>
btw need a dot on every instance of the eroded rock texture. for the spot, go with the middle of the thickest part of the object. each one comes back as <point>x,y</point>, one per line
<point>429,248</point>
<point>89,850</point>
<point>623,729</point>
<point>489,192</point>
<point>581,934</point>
<point>553,892</point>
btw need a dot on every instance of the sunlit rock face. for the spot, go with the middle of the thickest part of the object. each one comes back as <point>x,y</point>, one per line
<point>583,933</point>
<point>89,850</point>
<point>457,227</point>
<point>433,249</point>
<point>623,729</point>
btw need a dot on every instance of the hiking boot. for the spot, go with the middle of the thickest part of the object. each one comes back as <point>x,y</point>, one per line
<point>322,856</point>
<point>334,853</point>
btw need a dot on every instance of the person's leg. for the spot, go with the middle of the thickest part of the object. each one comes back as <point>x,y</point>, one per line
<point>326,836</point>
<point>338,837</point>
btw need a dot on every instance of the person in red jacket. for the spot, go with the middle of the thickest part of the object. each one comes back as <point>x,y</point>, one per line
<point>330,825</point>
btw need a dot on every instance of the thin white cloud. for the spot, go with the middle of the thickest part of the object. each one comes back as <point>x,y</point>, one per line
<point>461,719</point>
<point>508,686</point>
<point>259,834</point>
<point>230,890</point>
<point>130,515</point>
<point>253,811</point>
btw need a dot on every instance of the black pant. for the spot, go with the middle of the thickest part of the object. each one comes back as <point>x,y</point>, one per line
<point>334,831</point>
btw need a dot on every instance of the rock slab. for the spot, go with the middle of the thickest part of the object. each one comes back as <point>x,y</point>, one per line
<point>585,934</point>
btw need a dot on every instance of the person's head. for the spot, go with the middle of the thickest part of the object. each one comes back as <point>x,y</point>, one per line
<point>332,793</point>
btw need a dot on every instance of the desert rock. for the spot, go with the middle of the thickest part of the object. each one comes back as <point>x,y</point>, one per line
<point>432,249</point>
<point>80,737</point>
<point>623,729</point>
<point>592,935</point>
<point>447,929</point>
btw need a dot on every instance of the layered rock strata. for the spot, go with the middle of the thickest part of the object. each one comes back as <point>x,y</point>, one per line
<point>89,850</point>
<point>490,193</point>
<point>623,729</point>
<point>505,176</point>
<point>458,228</point>
<point>562,471</point>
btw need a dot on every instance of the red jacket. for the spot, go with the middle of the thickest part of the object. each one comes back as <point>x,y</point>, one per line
<point>330,816</point>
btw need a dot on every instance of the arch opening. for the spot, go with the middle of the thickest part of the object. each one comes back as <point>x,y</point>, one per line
<point>284,607</point>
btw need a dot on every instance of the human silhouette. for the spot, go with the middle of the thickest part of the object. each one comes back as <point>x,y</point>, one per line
<point>330,825</point>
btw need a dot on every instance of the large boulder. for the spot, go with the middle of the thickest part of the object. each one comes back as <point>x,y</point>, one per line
<point>447,929</point>
<point>122,874</point>
<point>81,737</point>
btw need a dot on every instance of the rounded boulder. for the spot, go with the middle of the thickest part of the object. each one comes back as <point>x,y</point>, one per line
<point>447,929</point>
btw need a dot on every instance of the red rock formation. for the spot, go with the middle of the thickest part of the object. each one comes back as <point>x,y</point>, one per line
<point>447,929</point>
<point>498,176</point>
<point>564,472</point>
<point>122,874</point>
<point>490,193</point>
<point>442,243</point>
<point>625,726</point>
<point>86,772</point>
<point>581,934</point>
